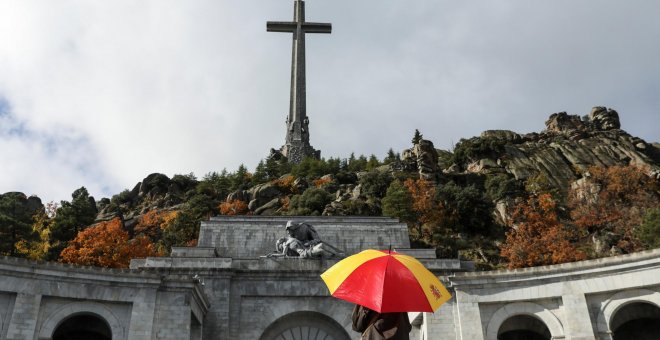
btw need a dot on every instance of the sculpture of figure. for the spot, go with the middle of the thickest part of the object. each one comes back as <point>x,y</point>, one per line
<point>303,241</point>
<point>292,247</point>
<point>303,232</point>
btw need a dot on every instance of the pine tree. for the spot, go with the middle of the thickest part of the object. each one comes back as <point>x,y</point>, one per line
<point>391,157</point>
<point>71,218</point>
<point>240,179</point>
<point>260,174</point>
<point>418,137</point>
<point>398,202</point>
<point>15,222</point>
<point>372,163</point>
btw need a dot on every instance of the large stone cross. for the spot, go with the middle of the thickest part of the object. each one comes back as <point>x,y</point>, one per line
<point>297,137</point>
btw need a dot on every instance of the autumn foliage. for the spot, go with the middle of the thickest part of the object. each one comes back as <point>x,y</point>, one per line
<point>538,237</point>
<point>321,181</point>
<point>233,207</point>
<point>106,244</point>
<point>153,223</point>
<point>427,211</point>
<point>285,184</point>
<point>614,200</point>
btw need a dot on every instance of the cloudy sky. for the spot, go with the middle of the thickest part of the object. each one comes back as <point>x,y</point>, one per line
<point>102,93</point>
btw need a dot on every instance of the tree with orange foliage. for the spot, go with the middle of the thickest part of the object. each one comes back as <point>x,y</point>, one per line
<point>233,207</point>
<point>286,184</point>
<point>614,200</point>
<point>537,236</point>
<point>424,203</point>
<point>106,244</point>
<point>415,203</point>
<point>319,182</point>
<point>153,223</point>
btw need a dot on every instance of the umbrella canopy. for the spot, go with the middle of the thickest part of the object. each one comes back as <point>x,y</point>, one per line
<point>385,281</point>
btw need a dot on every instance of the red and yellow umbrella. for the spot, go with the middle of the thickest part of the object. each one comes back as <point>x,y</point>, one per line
<point>385,281</point>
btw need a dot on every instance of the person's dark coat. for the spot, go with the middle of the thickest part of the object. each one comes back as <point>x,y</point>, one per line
<point>377,326</point>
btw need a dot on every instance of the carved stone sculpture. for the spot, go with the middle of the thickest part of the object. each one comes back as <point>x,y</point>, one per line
<point>292,247</point>
<point>303,241</point>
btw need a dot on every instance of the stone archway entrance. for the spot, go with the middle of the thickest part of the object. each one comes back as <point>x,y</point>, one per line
<point>83,327</point>
<point>305,326</point>
<point>523,327</point>
<point>638,320</point>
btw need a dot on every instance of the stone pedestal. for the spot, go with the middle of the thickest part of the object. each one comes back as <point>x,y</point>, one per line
<point>296,152</point>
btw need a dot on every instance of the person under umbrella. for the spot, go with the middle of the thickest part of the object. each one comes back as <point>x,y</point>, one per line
<point>377,326</point>
<point>385,285</point>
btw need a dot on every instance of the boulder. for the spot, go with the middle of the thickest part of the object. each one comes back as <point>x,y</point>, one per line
<point>484,165</point>
<point>506,135</point>
<point>603,242</point>
<point>241,195</point>
<point>262,194</point>
<point>422,158</point>
<point>300,185</point>
<point>154,184</point>
<point>269,208</point>
<point>604,119</point>
<point>562,122</point>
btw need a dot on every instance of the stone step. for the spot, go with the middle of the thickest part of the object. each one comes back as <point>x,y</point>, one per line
<point>310,219</point>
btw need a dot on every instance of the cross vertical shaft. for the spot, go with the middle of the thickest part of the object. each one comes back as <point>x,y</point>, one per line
<point>297,144</point>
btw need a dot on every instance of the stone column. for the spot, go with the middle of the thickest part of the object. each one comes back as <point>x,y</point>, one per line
<point>469,317</point>
<point>23,319</point>
<point>173,316</point>
<point>577,322</point>
<point>441,325</point>
<point>142,316</point>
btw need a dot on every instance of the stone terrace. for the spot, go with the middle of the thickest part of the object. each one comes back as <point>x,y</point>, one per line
<point>252,236</point>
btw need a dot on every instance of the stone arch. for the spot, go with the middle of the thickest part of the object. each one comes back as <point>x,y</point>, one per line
<point>84,307</point>
<point>620,300</point>
<point>636,320</point>
<point>305,325</point>
<point>523,327</point>
<point>524,308</point>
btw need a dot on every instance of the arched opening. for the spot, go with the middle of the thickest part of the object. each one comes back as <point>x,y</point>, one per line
<point>305,326</point>
<point>637,320</point>
<point>83,327</point>
<point>523,327</point>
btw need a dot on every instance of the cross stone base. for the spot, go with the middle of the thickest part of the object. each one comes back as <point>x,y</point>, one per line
<point>296,152</point>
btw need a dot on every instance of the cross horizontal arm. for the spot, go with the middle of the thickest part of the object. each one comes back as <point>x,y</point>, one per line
<point>288,26</point>
<point>280,26</point>
<point>316,27</point>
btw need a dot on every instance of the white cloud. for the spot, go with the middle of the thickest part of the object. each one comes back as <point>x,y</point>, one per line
<point>128,88</point>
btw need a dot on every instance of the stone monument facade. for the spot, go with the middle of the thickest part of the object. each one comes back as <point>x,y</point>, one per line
<point>297,146</point>
<point>224,289</point>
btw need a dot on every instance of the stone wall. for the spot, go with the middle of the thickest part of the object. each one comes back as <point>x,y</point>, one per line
<point>239,237</point>
<point>573,300</point>
<point>35,298</point>
<point>251,296</point>
<point>201,293</point>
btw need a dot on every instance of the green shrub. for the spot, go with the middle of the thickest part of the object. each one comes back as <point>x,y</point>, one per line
<point>649,231</point>
<point>500,186</point>
<point>470,209</point>
<point>375,183</point>
<point>469,150</point>
<point>398,202</point>
<point>311,202</point>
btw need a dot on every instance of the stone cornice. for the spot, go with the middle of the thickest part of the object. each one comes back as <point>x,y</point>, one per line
<point>70,272</point>
<point>589,268</point>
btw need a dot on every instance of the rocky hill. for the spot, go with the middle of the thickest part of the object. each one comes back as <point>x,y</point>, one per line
<point>562,153</point>
<point>476,184</point>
